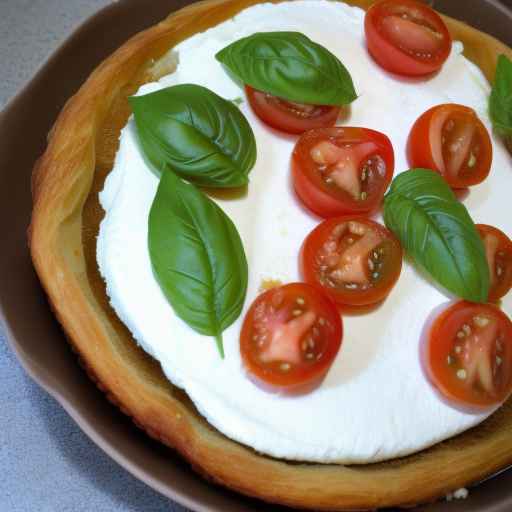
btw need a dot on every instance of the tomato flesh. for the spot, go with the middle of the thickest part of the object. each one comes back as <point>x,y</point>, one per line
<point>498,249</point>
<point>406,37</point>
<point>290,337</point>
<point>342,170</point>
<point>289,116</point>
<point>469,356</point>
<point>451,140</point>
<point>354,260</point>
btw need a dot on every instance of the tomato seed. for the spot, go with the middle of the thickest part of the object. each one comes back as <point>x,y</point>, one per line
<point>461,374</point>
<point>480,321</point>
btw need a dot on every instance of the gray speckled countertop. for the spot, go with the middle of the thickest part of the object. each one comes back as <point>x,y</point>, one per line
<point>48,464</point>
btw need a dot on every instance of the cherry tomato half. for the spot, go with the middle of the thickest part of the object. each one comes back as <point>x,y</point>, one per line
<point>406,37</point>
<point>451,140</point>
<point>355,260</point>
<point>290,337</point>
<point>288,116</point>
<point>342,170</point>
<point>498,249</point>
<point>468,355</point>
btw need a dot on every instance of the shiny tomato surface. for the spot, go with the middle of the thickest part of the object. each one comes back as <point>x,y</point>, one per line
<point>406,37</point>
<point>290,337</point>
<point>498,249</point>
<point>355,260</point>
<point>342,170</point>
<point>468,356</point>
<point>288,116</point>
<point>451,140</point>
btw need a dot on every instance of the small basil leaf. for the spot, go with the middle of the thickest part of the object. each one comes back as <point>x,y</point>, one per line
<point>500,101</point>
<point>437,232</point>
<point>291,66</point>
<point>197,257</point>
<point>193,131</point>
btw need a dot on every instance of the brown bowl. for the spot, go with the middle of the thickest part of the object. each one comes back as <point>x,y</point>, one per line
<point>39,342</point>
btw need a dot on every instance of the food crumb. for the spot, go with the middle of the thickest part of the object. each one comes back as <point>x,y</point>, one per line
<point>268,284</point>
<point>458,494</point>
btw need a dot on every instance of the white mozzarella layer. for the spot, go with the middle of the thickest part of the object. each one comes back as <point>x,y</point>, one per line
<point>375,403</point>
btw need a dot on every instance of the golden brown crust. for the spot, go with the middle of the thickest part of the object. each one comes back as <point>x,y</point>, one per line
<point>65,219</point>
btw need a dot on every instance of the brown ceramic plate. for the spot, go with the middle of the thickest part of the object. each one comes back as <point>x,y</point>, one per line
<point>34,334</point>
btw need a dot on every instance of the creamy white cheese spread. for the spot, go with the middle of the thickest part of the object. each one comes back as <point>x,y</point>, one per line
<point>375,403</point>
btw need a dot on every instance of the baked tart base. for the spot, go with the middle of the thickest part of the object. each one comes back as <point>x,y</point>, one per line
<point>66,216</point>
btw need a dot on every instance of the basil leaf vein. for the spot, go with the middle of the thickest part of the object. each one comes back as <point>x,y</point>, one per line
<point>436,230</point>
<point>197,257</point>
<point>291,66</point>
<point>500,100</point>
<point>196,133</point>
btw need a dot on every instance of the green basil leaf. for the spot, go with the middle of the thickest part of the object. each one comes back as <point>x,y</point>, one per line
<point>500,101</point>
<point>196,133</point>
<point>437,232</point>
<point>291,66</point>
<point>197,257</point>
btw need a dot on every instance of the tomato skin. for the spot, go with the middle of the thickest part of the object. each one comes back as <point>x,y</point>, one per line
<point>278,114</point>
<point>398,60</point>
<point>329,201</point>
<point>425,142</point>
<point>499,256</point>
<point>388,264</point>
<point>451,378</point>
<point>286,300</point>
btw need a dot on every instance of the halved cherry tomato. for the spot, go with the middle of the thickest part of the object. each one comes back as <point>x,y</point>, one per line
<point>498,249</point>
<point>451,140</point>
<point>406,37</point>
<point>288,116</point>
<point>355,260</point>
<point>342,170</point>
<point>290,337</point>
<point>467,355</point>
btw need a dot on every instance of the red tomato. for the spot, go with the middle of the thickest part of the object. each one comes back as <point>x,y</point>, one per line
<point>290,337</point>
<point>468,355</point>
<point>342,170</point>
<point>406,37</point>
<point>498,249</point>
<point>451,140</point>
<point>288,116</point>
<point>355,260</point>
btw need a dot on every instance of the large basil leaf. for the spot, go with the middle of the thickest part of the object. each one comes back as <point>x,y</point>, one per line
<point>500,101</point>
<point>437,232</point>
<point>193,131</point>
<point>197,257</point>
<point>291,66</point>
